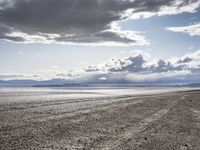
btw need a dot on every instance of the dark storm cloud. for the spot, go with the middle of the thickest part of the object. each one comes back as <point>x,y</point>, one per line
<point>79,21</point>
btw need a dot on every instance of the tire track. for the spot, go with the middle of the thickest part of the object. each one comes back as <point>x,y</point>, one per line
<point>99,105</point>
<point>132,131</point>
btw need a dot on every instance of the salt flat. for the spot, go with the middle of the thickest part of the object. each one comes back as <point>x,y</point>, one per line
<point>160,119</point>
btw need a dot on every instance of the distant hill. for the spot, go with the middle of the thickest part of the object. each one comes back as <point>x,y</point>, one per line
<point>116,83</point>
<point>31,82</point>
<point>193,85</point>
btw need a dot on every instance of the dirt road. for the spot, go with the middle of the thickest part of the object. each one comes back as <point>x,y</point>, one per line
<point>149,122</point>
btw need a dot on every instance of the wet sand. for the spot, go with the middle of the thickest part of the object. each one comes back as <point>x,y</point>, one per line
<point>167,121</point>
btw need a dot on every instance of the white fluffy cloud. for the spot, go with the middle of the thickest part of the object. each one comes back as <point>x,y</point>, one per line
<point>192,30</point>
<point>139,67</point>
<point>71,21</point>
<point>139,62</point>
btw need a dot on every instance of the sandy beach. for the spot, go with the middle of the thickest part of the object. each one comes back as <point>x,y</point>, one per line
<point>51,121</point>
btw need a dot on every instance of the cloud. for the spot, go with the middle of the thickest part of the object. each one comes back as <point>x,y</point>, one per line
<point>81,21</point>
<point>139,67</point>
<point>192,30</point>
<point>14,76</point>
<point>133,63</point>
<point>142,67</point>
<point>157,76</point>
<point>139,62</point>
<point>190,61</point>
<point>149,8</point>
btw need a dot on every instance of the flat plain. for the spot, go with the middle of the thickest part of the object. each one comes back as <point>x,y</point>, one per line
<point>51,121</point>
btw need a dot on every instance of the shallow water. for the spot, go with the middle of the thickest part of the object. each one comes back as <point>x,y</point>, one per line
<point>30,94</point>
<point>107,90</point>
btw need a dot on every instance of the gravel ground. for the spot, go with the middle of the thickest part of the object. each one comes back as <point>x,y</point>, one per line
<point>169,121</point>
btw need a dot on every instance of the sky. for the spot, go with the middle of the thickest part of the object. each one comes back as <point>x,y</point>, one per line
<point>100,40</point>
